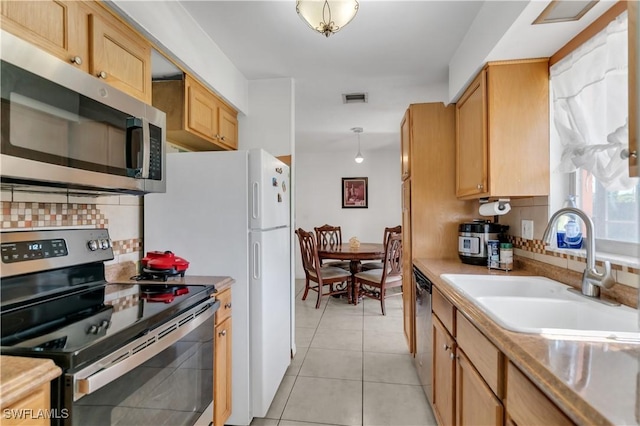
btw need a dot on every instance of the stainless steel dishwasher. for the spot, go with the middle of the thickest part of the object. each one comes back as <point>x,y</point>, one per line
<point>423,330</point>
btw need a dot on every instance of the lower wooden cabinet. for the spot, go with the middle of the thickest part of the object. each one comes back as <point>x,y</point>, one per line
<point>36,402</point>
<point>476,404</point>
<point>444,370</point>
<point>527,405</point>
<point>222,361</point>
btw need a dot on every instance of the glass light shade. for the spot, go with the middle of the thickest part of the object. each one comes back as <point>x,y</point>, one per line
<point>327,17</point>
<point>359,158</point>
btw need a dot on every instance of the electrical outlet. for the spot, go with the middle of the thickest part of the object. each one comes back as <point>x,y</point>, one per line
<point>527,229</point>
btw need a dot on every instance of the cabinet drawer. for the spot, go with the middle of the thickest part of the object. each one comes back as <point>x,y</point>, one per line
<point>526,404</point>
<point>444,310</point>
<point>486,358</point>
<point>31,405</point>
<point>225,306</point>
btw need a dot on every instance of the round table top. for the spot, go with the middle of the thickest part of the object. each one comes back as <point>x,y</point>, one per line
<point>366,251</point>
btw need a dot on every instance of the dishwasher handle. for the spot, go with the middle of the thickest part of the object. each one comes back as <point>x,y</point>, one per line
<point>421,280</point>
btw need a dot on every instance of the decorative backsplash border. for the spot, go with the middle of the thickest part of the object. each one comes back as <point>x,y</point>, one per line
<point>127,246</point>
<point>538,246</point>
<point>16,215</point>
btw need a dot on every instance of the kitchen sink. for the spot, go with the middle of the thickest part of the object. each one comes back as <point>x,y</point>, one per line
<point>538,305</point>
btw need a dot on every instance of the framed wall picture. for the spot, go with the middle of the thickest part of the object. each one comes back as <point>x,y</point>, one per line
<point>355,193</point>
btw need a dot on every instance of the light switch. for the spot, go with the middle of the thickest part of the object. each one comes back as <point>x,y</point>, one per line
<point>527,229</point>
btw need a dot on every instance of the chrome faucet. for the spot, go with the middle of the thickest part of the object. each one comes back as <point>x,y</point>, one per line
<point>592,280</point>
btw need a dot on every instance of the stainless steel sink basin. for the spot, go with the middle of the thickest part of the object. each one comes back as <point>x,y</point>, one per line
<point>539,305</point>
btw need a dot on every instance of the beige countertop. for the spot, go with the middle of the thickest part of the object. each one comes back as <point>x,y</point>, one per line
<point>19,376</point>
<point>593,382</point>
<point>221,283</point>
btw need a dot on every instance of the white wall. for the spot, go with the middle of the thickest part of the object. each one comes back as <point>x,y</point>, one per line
<point>270,123</point>
<point>318,193</point>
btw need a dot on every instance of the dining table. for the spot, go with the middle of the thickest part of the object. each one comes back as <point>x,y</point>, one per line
<point>355,255</point>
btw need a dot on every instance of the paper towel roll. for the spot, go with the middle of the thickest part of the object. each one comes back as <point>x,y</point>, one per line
<point>496,208</point>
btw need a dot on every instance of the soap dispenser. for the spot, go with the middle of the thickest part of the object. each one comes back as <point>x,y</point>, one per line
<point>571,236</point>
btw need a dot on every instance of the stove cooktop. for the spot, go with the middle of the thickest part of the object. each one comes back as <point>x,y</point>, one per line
<point>83,336</point>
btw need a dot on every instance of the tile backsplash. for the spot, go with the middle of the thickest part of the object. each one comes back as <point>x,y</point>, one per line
<point>120,214</point>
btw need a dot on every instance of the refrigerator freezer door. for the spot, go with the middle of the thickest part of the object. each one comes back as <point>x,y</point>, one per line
<point>270,301</point>
<point>269,191</point>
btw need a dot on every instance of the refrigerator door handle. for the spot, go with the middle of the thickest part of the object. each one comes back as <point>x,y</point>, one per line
<point>256,261</point>
<point>256,200</point>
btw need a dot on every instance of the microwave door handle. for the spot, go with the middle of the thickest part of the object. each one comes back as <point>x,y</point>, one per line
<point>133,164</point>
<point>146,149</point>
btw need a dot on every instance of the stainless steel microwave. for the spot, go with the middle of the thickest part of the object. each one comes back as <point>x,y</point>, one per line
<point>62,127</point>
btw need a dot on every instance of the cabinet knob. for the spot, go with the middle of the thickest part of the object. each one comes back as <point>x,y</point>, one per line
<point>76,60</point>
<point>480,186</point>
<point>452,356</point>
<point>227,305</point>
<point>217,136</point>
<point>223,333</point>
<point>102,74</point>
<point>446,347</point>
<point>624,154</point>
<point>223,138</point>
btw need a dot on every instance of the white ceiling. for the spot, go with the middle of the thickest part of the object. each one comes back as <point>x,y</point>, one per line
<point>396,51</point>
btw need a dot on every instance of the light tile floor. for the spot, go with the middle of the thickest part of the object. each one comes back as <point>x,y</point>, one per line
<point>352,367</point>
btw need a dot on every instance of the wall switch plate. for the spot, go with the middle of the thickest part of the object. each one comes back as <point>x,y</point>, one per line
<point>527,229</point>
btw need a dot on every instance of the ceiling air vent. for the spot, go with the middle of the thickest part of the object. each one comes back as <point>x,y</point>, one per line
<point>564,10</point>
<point>354,98</point>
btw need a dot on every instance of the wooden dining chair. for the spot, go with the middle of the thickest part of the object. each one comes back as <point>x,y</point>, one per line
<point>327,235</point>
<point>378,264</point>
<point>321,275</point>
<point>374,283</point>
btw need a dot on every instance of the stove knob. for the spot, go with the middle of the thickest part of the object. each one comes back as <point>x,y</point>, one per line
<point>93,329</point>
<point>104,244</point>
<point>105,324</point>
<point>93,245</point>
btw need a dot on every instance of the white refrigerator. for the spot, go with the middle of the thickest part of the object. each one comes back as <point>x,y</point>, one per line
<point>228,213</point>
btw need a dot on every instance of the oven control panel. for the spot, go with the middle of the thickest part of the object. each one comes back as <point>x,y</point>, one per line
<point>30,250</point>
<point>23,252</point>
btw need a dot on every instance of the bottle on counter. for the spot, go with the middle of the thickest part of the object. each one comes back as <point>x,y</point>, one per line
<point>506,256</point>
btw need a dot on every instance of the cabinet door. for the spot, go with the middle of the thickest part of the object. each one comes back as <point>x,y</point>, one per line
<point>527,405</point>
<point>471,141</point>
<point>405,144</point>
<point>55,26</point>
<point>202,115</point>
<point>475,402</point>
<point>222,373</point>
<point>443,374</point>
<point>408,288</point>
<point>36,402</point>
<point>228,131</point>
<point>119,56</point>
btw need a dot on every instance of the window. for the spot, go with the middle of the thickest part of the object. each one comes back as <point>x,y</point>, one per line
<point>590,116</point>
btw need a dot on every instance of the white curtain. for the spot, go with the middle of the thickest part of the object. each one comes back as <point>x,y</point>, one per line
<point>590,107</point>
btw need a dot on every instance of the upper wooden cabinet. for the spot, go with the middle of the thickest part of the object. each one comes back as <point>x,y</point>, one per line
<point>196,118</point>
<point>86,35</point>
<point>502,132</point>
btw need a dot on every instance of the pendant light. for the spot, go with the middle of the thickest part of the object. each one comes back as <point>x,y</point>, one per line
<point>359,158</point>
<point>327,16</point>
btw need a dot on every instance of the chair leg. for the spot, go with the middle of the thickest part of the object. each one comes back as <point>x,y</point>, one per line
<point>384,312</point>
<point>319,296</point>
<point>306,288</point>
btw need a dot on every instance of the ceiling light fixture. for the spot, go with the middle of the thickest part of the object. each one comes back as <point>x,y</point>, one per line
<point>359,157</point>
<point>564,11</point>
<point>327,17</point>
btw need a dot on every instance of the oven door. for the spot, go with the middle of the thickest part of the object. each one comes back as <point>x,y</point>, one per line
<point>163,377</point>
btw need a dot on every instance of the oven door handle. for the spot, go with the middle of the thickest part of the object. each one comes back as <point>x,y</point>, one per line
<point>119,363</point>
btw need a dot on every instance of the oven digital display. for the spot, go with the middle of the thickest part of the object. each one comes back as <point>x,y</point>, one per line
<point>32,250</point>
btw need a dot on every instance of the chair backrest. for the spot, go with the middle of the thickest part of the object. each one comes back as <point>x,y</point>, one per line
<point>328,235</point>
<point>309,252</point>
<point>387,231</point>
<point>392,256</point>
